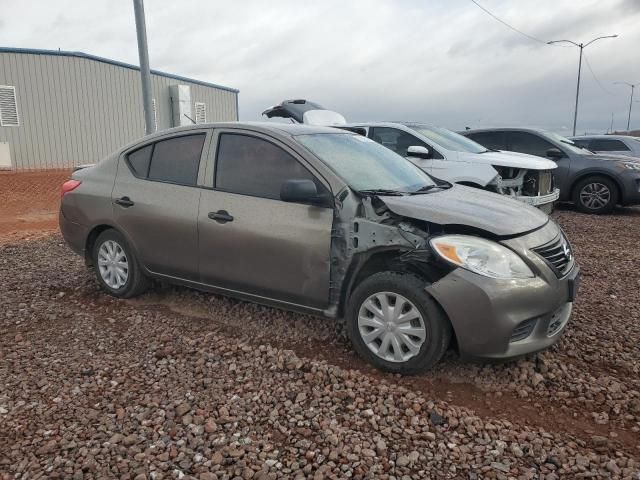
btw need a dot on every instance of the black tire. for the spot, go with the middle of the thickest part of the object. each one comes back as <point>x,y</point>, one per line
<point>437,325</point>
<point>590,184</point>
<point>136,282</point>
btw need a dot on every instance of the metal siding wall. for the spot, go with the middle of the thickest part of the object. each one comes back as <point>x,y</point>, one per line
<point>75,110</point>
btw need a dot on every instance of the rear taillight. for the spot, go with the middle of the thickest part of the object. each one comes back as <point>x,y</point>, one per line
<point>69,186</point>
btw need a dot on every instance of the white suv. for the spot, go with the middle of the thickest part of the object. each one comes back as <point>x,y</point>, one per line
<point>444,154</point>
<point>452,157</point>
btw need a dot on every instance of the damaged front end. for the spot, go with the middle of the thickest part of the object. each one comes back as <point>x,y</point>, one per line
<point>367,237</point>
<point>533,187</point>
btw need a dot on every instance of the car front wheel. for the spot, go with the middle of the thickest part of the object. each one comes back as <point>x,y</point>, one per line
<point>116,266</point>
<point>396,325</point>
<point>595,195</point>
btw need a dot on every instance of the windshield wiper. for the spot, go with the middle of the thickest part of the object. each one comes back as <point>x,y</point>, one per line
<point>382,191</point>
<point>428,188</point>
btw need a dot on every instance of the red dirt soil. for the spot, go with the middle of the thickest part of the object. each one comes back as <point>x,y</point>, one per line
<point>29,203</point>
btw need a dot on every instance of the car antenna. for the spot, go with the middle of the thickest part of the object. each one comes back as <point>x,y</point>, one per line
<point>192,120</point>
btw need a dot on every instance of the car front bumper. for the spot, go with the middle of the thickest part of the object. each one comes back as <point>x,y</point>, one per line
<point>540,199</point>
<point>498,318</point>
<point>630,181</point>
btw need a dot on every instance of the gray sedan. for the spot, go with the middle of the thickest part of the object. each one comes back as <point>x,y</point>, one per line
<point>326,222</point>
<point>595,183</point>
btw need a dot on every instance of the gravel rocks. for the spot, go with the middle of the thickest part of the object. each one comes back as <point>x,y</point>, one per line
<point>180,384</point>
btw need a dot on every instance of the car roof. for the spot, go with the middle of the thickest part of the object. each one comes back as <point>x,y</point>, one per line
<point>601,136</point>
<point>504,129</point>
<point>291,129</point>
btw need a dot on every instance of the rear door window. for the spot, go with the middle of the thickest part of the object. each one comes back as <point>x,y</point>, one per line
<point>606,145</point>
<point>525,142</point>
<point>177,159</point>
<point>252,166</point>
<point>398,140</point>
<point>491,140</point>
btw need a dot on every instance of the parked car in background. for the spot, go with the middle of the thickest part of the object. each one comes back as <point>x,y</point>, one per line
<point>613,144</point>
<point>443,154</point>
<point>326,222</point>
<point>595,183</point>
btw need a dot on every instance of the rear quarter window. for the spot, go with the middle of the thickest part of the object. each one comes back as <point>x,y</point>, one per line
<point>140,160</point>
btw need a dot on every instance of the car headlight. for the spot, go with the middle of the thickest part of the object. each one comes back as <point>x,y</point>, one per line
<point>631,165</point>
<point>481,256</point>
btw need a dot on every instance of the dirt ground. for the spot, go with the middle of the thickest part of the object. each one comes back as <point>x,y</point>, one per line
<point>181,384</point>
<point>29,203</point>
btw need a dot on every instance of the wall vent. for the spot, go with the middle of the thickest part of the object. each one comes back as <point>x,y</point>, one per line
<point>201,112</point>
<point>8,107</point>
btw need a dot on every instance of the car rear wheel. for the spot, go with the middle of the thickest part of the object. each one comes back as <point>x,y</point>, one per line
<point>595,195</point>
<point>395,325</point>
<point>117,269</point>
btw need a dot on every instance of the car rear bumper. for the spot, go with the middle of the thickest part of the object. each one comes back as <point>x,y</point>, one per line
<point>74,234</point>
<point>630,188</point>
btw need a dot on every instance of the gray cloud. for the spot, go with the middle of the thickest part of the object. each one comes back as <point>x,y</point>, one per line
<point>446,62</point>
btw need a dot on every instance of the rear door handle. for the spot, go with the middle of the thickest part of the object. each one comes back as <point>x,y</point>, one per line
<point>221,216</point>
<point>125,202</point>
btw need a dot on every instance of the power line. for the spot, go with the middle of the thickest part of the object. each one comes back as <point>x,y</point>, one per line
<point>595,77</point>
<point>530,37</point>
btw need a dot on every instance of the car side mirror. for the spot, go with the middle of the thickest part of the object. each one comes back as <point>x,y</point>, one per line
<point>554,153</point>
<point>418,152</point>
<point>300,191</point>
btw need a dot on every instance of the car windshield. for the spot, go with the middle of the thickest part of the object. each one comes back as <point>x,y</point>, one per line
<point>365,164</point>
<point>566,143</point>
<point>448,140</point>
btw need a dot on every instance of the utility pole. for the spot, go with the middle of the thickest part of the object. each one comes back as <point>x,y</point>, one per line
<point>581,46</point>
<point>145,72</point>
<point>633,86</point>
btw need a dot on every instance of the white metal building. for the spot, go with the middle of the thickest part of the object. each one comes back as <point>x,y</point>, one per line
<point>60,109</point>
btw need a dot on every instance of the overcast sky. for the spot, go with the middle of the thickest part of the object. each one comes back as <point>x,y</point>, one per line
<point>444,62</point>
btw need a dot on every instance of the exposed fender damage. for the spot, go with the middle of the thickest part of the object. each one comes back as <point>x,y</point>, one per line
<point>363,227</point>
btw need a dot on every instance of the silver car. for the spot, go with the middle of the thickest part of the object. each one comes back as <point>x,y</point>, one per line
<point>610,144</point>
<point>331,223</point>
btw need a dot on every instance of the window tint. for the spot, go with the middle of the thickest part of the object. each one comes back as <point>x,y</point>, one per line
<point>177,159</point>
<point>604,145</point>
<point>398,140</point>
<point>256,167</point>
<point>139,161</point>
<point>492,140</point>
<point>529,143</point>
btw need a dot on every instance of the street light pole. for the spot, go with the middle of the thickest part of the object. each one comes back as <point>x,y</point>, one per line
<point>145,72</point>
<point>581,46</point>
<point>633,86</point>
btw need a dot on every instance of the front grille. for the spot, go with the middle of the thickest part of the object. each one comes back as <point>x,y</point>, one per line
<point>557,254</point>
<point>523,330</point>
<point>538,182</point>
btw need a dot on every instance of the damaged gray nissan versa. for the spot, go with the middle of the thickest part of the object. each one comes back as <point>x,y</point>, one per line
<point>327,222</point>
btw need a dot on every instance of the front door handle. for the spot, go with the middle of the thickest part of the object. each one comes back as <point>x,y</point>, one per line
<point>221,216</point>
<point>125,202</point>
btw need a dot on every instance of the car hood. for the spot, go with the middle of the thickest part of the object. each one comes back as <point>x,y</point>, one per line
<point>508,159</point>
<point>471,207</point>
